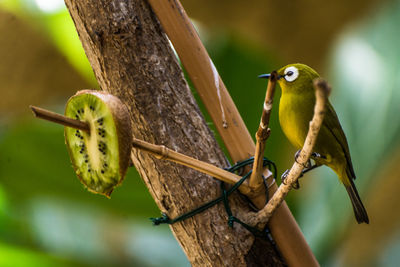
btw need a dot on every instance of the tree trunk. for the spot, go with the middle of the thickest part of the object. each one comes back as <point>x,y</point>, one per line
<point>132,59</point>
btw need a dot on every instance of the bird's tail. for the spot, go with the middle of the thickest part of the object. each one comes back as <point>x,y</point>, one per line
<point>358,207</point>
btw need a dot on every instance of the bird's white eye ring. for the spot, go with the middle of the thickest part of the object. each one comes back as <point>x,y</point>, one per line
<point>291,74</point>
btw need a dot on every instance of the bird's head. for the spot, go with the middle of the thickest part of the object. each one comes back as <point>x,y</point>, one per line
<point>295,77</point>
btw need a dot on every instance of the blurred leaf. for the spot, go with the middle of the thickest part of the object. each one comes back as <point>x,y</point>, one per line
<point>13,256</point>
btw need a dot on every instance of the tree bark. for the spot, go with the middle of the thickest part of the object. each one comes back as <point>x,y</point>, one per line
<point>132,59</point>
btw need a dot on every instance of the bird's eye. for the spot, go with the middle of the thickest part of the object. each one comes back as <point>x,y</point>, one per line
<point>291,74</point>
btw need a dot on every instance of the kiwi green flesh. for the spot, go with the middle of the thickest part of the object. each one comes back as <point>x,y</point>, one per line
<point>94,155</point>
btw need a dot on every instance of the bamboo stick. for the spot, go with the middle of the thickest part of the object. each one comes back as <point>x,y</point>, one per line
<point>228,122</point>
<point>162,152</point>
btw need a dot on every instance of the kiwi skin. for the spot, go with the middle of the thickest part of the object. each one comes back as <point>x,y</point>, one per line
<point>122,123</point>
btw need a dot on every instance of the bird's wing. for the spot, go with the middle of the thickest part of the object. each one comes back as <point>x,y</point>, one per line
<point>331,121</point>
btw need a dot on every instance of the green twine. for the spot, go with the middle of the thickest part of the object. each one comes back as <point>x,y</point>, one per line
<point>224,198</point>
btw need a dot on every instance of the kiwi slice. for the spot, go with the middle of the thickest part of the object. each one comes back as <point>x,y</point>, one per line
<point>100,157</point>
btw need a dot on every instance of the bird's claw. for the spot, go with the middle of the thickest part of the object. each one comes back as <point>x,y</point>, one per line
<point>306,165</point>
<point>295,185</point>
<point>284,176</point>
<point>317,155</point>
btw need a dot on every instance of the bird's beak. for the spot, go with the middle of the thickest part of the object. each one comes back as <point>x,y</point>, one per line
<point>264,76</point>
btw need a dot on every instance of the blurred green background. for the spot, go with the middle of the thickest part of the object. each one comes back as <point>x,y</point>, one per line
<point>48,219</point>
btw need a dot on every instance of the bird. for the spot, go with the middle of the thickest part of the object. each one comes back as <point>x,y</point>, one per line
<point>296,110</point>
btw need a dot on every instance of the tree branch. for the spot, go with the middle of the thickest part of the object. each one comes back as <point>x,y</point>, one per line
<point>322,91</point>
<point>263,134</point>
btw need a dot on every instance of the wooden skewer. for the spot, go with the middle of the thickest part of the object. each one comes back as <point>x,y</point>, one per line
<point>160,152</point>
<point>60,119</point>
<point>262,134</point>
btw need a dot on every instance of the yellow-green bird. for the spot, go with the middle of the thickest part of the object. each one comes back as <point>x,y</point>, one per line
<point>331,149</point>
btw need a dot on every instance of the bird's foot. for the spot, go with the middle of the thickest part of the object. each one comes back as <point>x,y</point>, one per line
<point>307,164</point>
<point>296,185</point>
<point>317,155</point>
<point>307,167</point>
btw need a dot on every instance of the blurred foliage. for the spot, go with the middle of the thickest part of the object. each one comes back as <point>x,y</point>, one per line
<point>364,70</point>
<point>38,68</point>
<point>48,219</point>
<point>52,19</point>
<point>14,256</point>
<point>297,31</point>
